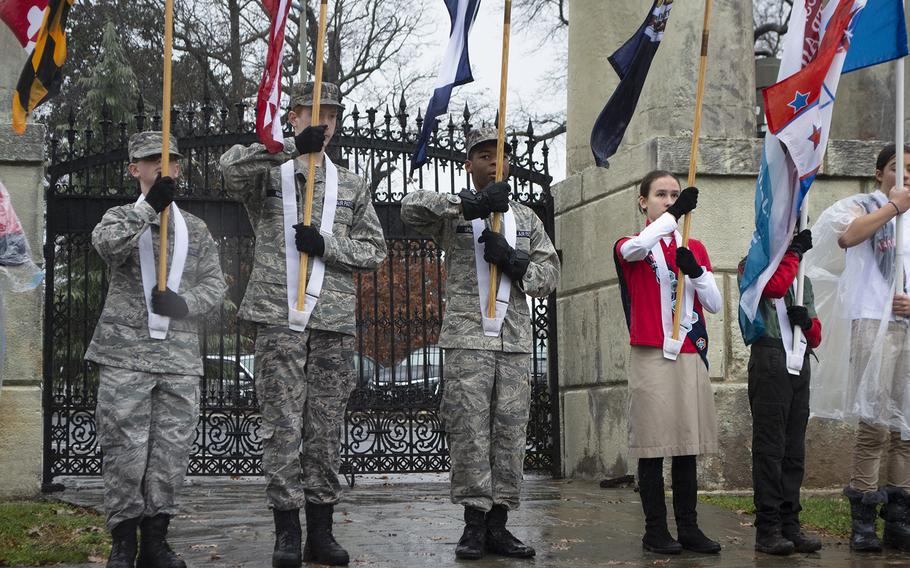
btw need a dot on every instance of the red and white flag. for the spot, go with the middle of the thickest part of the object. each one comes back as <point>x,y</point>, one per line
<point>24,18</point>
<point>268,103</point>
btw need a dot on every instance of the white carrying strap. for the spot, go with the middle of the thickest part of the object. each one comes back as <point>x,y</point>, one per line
<point>493,326</point>
<point>158,325</point>
<point>672,347</point>
<point>794,358</point>
<point>297,320</point>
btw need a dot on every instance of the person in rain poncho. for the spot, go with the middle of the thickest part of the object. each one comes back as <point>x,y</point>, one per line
<point>864,362</point>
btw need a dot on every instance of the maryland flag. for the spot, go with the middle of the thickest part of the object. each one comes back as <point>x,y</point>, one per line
<point>42,74</point>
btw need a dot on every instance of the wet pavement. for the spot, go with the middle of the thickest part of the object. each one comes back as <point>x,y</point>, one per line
<point>408,521</point>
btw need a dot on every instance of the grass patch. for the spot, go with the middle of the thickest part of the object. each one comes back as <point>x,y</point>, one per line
<point>35,533</point>
<point>827,514</point>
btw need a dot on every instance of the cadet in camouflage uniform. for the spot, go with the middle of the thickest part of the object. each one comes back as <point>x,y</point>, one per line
<point>486,396</point>
<point>148,392</point>
<point>304,379</point>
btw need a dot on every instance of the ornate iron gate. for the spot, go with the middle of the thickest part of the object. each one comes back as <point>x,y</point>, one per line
<point>392,424</point>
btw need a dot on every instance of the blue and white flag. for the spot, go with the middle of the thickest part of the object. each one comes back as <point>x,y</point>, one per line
<point>880,35</point>
<point>455,71</point>
<point>632,62</point>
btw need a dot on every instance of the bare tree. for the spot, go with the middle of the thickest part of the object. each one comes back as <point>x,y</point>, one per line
<point>770,19</point>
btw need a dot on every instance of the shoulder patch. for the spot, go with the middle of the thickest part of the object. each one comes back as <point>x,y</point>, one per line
<point>346,203</point>
<point>526,234</point>
<point>464,229</point>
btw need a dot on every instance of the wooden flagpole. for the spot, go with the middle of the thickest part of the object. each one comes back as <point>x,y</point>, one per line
<point>500,145</point>
<point>311,173</point>
<point>165,139</point>
<point>693,159</point>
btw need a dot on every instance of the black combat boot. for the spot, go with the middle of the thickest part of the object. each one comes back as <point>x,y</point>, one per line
<point>897,519</point>
<point>651,490</point>
<point>685,499</point>
<point>154,551</point>
<point>123,546</point>
<point>473,539</point>
<point>771,541</point>
<point>321,546</point>
<point>499,540</point>
<point>287,539</point>
<point>862,510</point>
<point>802,542</point>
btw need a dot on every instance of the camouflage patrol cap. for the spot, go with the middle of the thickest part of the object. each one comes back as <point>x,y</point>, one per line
<point>302,95</point>
<point>481,135</point>
<point>148,143</point>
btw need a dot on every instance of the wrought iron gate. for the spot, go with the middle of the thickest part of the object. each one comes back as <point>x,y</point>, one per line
<point>392,424</point>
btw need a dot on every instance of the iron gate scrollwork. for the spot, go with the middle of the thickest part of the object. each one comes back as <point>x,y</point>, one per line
<point>392,424</point>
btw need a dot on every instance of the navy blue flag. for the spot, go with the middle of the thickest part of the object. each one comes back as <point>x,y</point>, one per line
<point>880,35</point>
<point>456,70</point>
<point>631,62</point>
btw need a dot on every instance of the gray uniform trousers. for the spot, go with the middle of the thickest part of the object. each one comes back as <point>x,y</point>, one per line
<point>146,425</point>
<point>303,382</point>
<point>485,407</point>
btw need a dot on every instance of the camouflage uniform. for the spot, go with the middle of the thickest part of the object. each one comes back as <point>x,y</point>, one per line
<point>303,380</point>
<point>148,392</point>
<point>486,396</point>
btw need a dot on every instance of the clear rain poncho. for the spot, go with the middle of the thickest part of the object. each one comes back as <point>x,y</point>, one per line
<point>864,358</point>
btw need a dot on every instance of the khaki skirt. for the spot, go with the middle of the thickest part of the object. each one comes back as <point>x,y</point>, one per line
<point>671,405</point>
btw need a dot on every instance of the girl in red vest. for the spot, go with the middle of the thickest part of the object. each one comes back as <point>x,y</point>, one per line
<point>671,403</point>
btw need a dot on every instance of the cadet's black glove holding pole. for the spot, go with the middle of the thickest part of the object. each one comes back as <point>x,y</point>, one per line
<point>311,139</point>
<point>801,243</point>
<point>169,303</point>
<point>493,199</point>
<point>161,193</point>
<point>799,315</point>
<point>513,263</point>
<point>685,203</point>
<point>686,262</point>
<point>308,240</point>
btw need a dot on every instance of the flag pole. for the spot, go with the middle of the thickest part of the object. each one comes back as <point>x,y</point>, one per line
<point>311,173</point>
<point>500,145</point>
<point>165,139</point>
<point>693,159</point>
<point>899,178</point>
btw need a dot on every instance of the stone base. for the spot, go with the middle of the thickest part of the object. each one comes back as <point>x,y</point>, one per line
<point>20,442</point>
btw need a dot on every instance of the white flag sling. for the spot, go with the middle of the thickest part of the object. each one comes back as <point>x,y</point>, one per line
<point>158,325</point>
<point>297,320</point>
<point>493,326</point>
<point>672,347</point>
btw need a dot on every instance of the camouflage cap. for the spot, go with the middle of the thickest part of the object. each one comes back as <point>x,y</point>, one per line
<point>481,135</point>
<point>302,95</point>
<point>148,143</point>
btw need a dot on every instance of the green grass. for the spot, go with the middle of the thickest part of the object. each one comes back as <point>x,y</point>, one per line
<point>827,514</point>
<point>35,533</point>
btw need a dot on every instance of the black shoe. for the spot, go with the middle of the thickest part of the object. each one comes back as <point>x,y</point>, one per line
<point>862,511</point>
<point>653,502</point>
<point>321,546</point>
<point>473,539</point>
<point>660,542</point>
<point>896,513</point>
<point>499,540</point>
<point>773,542</point>
<point>154,551</point>
<point>802,542</point>
<point>685,499</point>
<point>123,545</point>
<point>287,539</point>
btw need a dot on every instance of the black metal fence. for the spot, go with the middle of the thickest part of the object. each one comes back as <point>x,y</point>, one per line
<point>392,422</point>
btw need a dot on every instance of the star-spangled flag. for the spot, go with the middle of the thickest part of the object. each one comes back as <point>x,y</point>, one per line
<point>879,36</point>
<point>268,101</point>
<point>455,71</point>
<point>632,62</point>
<point>779,192</point>
<point>24,18</point>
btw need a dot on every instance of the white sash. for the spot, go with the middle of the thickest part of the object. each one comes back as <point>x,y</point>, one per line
<point>158,324</point>
<point>297,320</point>
<point>672,347</point>
<point>493,326</point>
<point>794,359</point>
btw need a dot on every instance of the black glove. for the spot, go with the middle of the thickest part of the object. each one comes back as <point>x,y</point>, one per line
<point>493,198</point>
<point>799,315</point>
<point>686,202</point>
<point>169,303</point>
<point>311,139</point>
<point>161,194</point>
<point>686,262</point>
<point>309,240</point>
<point>496,250</point>
<point>801,243</point>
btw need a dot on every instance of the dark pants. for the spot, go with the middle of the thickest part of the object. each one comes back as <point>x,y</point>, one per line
<point>780,411</point>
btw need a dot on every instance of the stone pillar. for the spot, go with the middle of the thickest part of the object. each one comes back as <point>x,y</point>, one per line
<point>22,172</point>
<point>667,104</point>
